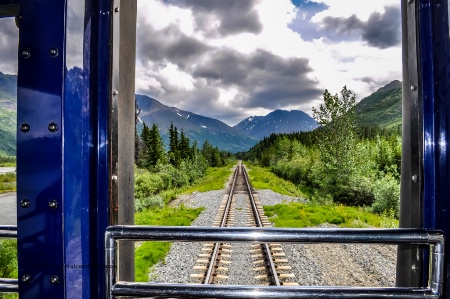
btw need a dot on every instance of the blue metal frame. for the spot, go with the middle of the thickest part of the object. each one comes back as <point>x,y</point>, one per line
<point>64,183</point>
<point>64,75</point>
<point>435,92</point>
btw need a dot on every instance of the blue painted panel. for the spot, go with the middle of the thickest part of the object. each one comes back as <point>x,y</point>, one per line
<point>102,132</point>
<point>78,148</point>
<point>39,159</point>
<point>435,77</point>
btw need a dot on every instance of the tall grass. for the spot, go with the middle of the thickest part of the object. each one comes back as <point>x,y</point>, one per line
<point>150,253</point>
<point>305,215</point>
<point>215,179</point>
<point>262,178</point>
<point>7,182</point>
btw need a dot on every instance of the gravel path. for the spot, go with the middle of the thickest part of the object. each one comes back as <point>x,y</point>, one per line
<point>314,264</point>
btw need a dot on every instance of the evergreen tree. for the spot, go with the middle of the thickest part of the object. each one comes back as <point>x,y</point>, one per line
<point>156,153</point>
<point>174,153</point>
<point>184,148</point>
<point>144,154</point>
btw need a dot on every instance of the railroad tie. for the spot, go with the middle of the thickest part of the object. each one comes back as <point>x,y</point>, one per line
<point>262,276</point>
<point>202,261</point>
<point>280,260</point>
<point>290,284</point>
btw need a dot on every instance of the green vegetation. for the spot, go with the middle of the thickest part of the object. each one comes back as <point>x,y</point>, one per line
<point>382,108</point>
<point>360,169</point>
<point>7,182</point>
<point>305,215</point>
<point>7,161</point>
<point>262,178</point>
<point>215,179</point>
<point>161,176</point>
<point>8,262</point>
<point>150,253</point>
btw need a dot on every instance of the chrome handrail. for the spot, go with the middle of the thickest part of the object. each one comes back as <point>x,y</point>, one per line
<point>8,285</point>
<point>434,238</point>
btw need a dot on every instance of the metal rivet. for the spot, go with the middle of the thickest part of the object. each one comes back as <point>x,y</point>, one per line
<point>25,128</point>
<point>414,178</point>
<point>52,204</point>
<point>54,279</point>
<point>115,92</point>
<point>116,9</point>
<point>410,1</point>
<point>53,52</point>
<point>413,87</point>
<point>52,127</point>
<point>26,53</point>
<point>26,278</point>
<point>25,203</point>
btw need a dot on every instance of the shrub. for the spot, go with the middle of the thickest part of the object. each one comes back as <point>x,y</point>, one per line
<point>148,202</point>
<point>387,195</point>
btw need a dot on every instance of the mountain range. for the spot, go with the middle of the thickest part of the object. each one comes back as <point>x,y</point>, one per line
<point>382,108</point>
<point>198,128</point>
<point>278,121</point>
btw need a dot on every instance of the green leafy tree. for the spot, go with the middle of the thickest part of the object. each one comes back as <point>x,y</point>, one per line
<point>337,141</point>
<point>8,258</point>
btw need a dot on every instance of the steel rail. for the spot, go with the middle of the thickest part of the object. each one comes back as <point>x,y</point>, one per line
<point>435,238</point>
<point>269,259</point>
<point>212,264</point>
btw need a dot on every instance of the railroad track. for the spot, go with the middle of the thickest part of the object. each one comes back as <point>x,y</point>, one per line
<point>217,263</point>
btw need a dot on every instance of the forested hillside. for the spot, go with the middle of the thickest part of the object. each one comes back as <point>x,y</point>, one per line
<point>383,108</point>
<point>340,162</point>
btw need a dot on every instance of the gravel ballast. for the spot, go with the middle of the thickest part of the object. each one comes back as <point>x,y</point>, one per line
<point>313,264</point>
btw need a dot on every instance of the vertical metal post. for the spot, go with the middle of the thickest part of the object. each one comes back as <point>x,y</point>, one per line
<point>435,80</point>
<point>409,262</point>
<point>426,116</point>
<point>126,122</point>
<point>75,168</point>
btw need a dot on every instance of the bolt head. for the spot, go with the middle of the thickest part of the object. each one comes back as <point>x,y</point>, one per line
<point>25,203</point>
<point>25,128</point>
<point>52,127</point>
<point>53,52</point>
<point>52,204</point>
<point>54,279</point>
<point>413,88</point>
<point>115,92</point>
<point>116,9</point>
<point>26,278</point>
<point>26,53</point>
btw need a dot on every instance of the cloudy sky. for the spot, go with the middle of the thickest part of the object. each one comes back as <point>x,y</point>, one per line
<point>230,59</point>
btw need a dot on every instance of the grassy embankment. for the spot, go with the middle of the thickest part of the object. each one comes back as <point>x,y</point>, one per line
<point>7,182</point>
<point>149,253</point>
<point>297,214</point>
